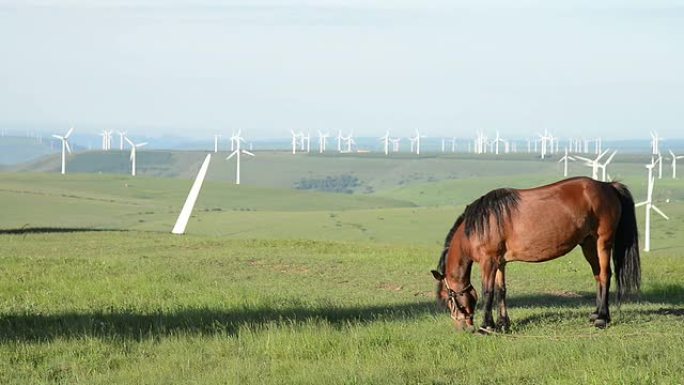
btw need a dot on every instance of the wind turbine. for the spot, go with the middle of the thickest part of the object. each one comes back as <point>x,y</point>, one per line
<point>217,137</point>
<point>386,141</point>
<point>238,151</point>
<point>565,160</point>
<point>294,141</point>
<point>65,147</point>
<point>134,147</point>
<point>395,144</point>
<point>322,141</point>
<point>339,140</point>
<point>306,139</point>
<point>416,140</point>
<point>106,140</point>
<point>660,165</point>
<point>593,163</point>
<point>350,141</point>
<point>674,163</point>
<point>498,140</point>
<point>649,205</point>
<point>605,164</point>
<point>122,135</point>
<point>655,143</point>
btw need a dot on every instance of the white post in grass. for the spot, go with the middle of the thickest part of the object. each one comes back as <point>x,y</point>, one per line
<point>184,216</point>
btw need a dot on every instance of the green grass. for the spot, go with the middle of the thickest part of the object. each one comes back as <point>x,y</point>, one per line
<point>274,285</point>
<point>147,308</point>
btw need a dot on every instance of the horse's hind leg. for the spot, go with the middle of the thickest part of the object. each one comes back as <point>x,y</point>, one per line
<point>604,246</point>
<point>591,255</point>
<point>503,323</point>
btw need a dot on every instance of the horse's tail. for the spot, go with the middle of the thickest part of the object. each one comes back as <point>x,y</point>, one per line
<point>626,245</point>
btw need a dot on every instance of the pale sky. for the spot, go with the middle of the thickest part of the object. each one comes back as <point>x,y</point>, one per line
<point>447,67</point>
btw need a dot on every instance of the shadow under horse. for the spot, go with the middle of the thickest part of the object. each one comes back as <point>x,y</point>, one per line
<point>538,225</point>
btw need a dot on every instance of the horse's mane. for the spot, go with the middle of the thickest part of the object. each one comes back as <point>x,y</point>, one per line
<point>476,217</point>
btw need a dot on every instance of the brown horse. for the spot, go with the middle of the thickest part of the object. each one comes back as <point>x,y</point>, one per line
<point>537,225</point>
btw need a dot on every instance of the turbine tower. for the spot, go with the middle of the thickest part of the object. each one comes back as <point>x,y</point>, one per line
<point>416,140</point>
<point>322,141</point>
<point>295,137</point>
<point>649,205</point>
<point>604,165</point>
<point>122,135</point>
<point>237,152</point>
<point>565,160</point>
<point>593,163</point>
<point>65,147</point>
<point>134,147</point>
<point>674,163</point>
<point>385,142</point>
<point>217,137</point>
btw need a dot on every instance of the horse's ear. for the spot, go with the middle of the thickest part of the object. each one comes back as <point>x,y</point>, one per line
<point>438,276</point>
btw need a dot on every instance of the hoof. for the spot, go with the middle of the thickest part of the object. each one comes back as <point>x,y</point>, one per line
<point>601,323</point>
<point>503,325</point>
<point>485,330</point>
<point>593,317</point>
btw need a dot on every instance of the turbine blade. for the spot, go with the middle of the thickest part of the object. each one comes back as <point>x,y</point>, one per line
<point>232,154</point>
<point>129,141</point>
<point>640,204</point>
<point>58,137</point>
<point>69,133</point>
<point>141,144</point>
<point>660,212</point>
<point>66,144</point>
<point>247,152</point>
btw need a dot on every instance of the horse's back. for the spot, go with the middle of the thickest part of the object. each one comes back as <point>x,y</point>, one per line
<point>551,220</point>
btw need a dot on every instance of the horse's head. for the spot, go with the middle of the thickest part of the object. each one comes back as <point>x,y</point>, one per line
<point>461,303</point>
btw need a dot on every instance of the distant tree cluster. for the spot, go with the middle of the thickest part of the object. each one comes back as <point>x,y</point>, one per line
<point>339,184</point>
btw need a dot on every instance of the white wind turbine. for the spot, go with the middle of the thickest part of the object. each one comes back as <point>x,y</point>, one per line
<point>565,160</point>
<point>122,135</point>
<point>106,140</point>
<point>306,139</point>
<point>655,143</point>
<point>350,141</point>
<point>649,205</point>
<point>217,137</point>
<point>453,144</point>
<point>322,141</point>
<point>605,165</point>
<point>416,141</point>
<point>339,140</point>
<point>674,163</point>
<point>498,140</point>
<point>65,147</point>
<point>395,144</point>
<point>593,163</point>
<point>238,151</point>
<point>386,141</point>
<point>660,165</point>
<point>295,136</point>
<point>134,148</point>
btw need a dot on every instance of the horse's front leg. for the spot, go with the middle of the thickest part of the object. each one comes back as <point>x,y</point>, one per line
<point>488,279</point>
<point>503,323</point>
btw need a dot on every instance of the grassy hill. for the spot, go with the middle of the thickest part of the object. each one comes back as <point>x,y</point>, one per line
<point>371,172</point>
<point>16,150</point>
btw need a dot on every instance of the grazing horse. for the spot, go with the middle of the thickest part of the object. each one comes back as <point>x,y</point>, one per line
<point>537,225</point>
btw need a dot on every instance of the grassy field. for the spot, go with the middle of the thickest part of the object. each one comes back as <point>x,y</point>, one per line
<point>275,285</point>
